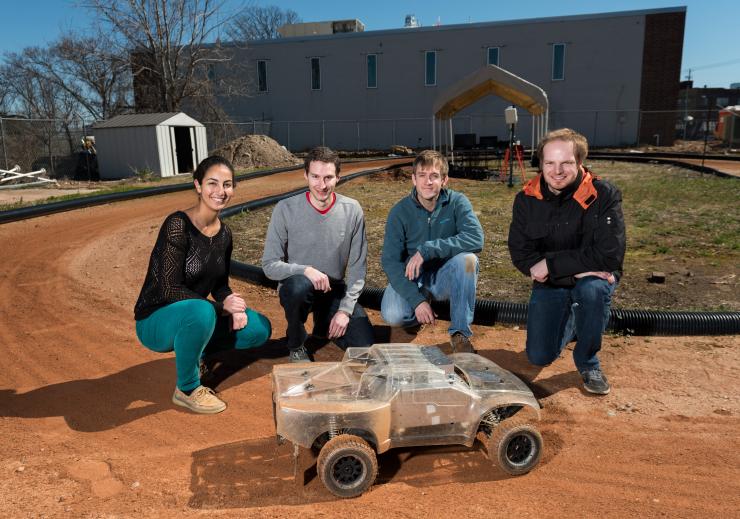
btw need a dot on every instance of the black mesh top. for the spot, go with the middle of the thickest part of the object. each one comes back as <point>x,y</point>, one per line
<point>185,264</point>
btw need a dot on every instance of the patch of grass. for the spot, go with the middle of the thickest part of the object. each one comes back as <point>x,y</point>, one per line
<point>676,219</point>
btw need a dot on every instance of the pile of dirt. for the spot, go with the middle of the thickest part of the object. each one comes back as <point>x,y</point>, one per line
<point>256,151</point>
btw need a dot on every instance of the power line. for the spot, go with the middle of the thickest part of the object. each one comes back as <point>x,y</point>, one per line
<point>713,65</point>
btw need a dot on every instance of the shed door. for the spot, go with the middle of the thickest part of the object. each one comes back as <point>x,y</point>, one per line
<point>183,149</point>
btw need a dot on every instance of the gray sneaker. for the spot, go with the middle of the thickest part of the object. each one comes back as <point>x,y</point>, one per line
<point>461,344</point>
<point>594,381</point>
<point>299,354</point>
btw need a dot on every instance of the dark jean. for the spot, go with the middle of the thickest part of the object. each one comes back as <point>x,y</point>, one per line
<point>298,298</point>
<point>559,315</point>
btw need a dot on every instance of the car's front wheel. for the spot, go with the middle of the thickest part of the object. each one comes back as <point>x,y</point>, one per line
<point>347,465</point>
<point>515,445</point>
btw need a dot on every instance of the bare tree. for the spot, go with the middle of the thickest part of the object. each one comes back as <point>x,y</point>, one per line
<point>94,74</point>
<point>4,98</point>
<point>96,78</point>
<point>170,44</point>
<point>30,93</point>
<point>256,22</point>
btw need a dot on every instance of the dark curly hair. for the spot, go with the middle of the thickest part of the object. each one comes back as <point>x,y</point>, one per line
<point>207,163</point>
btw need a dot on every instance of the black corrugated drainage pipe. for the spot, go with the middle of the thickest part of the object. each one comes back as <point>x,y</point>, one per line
<point>661,159</point>
<point>488,312</point>
<point>32,211</point>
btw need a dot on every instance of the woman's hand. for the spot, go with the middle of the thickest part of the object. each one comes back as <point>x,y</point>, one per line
<point>234,304</point>
<point>239,320</point>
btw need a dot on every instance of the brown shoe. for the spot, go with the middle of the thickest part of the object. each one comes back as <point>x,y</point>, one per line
<point>461,344</point>
<point>202,400</point>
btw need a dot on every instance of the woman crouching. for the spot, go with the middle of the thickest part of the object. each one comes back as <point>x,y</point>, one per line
<point>190,260</point>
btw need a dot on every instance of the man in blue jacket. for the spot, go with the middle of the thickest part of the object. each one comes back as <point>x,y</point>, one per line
<point>431,237</point>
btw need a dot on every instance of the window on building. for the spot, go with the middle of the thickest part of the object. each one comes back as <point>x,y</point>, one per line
<point>262,76</point>
<point>430,76</point>
<point>558,61</point>
<point>372,71</point>
<point>211,71</point>
<point>315,74</point>
<point>493,55</point>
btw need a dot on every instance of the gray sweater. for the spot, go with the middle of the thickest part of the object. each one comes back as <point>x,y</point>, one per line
<point>334,243</point>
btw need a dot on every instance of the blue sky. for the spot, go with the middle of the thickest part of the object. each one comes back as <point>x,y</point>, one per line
<point>711,41</point>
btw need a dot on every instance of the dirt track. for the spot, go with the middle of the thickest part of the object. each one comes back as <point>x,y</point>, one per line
<point>88,428</point>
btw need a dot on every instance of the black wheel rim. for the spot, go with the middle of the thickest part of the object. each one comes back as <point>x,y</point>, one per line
<point>348,471</point>
<point>521,449</point>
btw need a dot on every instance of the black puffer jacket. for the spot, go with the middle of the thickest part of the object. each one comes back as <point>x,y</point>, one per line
<point>579,230</point>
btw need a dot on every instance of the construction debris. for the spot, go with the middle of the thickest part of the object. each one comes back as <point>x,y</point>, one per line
<point>14,179</point>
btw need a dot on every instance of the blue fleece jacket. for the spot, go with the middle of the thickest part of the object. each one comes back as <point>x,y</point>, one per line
<point>439,235</point>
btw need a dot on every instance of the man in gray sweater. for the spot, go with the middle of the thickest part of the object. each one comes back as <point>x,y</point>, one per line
<point>316,248</point>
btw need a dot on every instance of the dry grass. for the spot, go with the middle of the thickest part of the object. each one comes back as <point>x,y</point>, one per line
<point>678,222</point>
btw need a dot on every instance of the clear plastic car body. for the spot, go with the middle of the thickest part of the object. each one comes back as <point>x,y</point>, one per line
<point>394,395</point>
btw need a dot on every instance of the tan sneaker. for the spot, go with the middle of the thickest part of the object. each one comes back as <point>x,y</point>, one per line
<point>202,400</point>
<point>461,344</point>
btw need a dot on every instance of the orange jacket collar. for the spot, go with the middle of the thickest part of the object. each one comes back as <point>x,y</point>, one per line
<point>585,195</point>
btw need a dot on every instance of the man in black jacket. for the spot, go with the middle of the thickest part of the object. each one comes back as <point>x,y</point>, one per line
<point>567,234</point>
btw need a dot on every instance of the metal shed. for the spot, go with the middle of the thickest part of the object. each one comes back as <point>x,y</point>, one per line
<point>166,144</point>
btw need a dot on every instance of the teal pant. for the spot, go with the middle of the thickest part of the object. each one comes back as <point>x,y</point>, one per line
<point>190,327</point>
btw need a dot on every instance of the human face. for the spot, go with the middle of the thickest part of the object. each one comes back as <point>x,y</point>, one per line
<point>428,182</point>
<point>217,187</point>
<point>322,179</point>
<point>559,165</point>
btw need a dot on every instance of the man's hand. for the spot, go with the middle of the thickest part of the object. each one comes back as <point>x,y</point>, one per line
<point>539,272</point>
<point>234,304</point>
<point>413,267</point>
<point>338,325</point>
<point>424,313</point>
<point>239,320</point>
<point>319,280</point>
<point>607,276</point>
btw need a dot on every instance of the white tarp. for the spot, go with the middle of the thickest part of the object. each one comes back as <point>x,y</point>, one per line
<point>490,80</point>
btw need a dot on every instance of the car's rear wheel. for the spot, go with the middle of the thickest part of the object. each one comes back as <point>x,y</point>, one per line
<point>515,445</point>
<point>347,465</point>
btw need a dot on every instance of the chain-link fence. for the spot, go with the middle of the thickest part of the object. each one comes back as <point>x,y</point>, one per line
<point>603,128</point>
<point>58,147</point>
<point>33,144</point>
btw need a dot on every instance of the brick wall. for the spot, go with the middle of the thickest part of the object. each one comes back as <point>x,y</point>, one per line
<point>661,74</point>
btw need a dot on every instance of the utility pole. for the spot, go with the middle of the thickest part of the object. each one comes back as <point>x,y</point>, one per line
<point>2,134</point>
<point>706,125</point>
<point>686,105</point>
<point>511,118</point>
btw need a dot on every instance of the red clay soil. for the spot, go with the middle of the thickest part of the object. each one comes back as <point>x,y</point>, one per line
<point>89,430</point>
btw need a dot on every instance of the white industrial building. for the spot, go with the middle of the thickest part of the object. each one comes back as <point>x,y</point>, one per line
<point>612,76</point>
